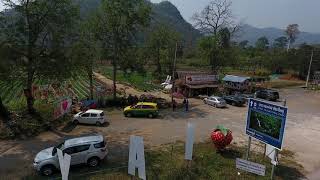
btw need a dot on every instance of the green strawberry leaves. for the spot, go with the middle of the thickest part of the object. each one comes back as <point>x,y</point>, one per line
<point>222,129</point>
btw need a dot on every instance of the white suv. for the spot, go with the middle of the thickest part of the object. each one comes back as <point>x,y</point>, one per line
<point>88,150</point>
<point>91,116</point>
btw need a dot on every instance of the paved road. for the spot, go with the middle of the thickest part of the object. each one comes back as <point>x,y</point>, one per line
<point>302,131</point>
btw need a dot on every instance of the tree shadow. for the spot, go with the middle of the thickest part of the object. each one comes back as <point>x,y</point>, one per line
<point>230,153</point>
<point>286,172</point>
<point>71,126</point>
<point>182,114</point>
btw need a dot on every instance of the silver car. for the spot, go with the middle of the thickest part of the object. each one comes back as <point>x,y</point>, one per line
<point>215,101</point>
<point>90,116</point>
<point>88,150</point>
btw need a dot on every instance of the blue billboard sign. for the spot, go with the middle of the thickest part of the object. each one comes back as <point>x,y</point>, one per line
<point>266,122</point>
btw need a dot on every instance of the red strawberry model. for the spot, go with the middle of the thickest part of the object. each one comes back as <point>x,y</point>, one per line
<point>221,137</point>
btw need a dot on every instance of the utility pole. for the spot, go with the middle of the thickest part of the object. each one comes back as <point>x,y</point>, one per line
<point>310,64</point>
<point>173,76</point>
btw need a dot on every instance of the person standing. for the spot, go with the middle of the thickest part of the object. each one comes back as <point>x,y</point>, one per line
<point>174,105</point>
<point>186,104</point>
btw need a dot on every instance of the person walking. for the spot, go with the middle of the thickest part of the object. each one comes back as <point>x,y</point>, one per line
<point>186,104</point>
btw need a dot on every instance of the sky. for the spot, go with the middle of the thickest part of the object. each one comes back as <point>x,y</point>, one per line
<point>263,13</point>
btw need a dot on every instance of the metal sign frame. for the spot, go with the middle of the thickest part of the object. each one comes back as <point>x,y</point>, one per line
<point>263,109</point>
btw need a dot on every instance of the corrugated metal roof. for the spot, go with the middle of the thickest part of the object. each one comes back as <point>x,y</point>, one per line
<point>232,78</point>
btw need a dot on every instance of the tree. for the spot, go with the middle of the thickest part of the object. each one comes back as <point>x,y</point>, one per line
<point>216,49</point>
<point>116,23</point>
<point>280,42</point>
<point>215,16</point>
<point>262,43</point>
<point>5,69</point>
<point>292,33</point>
<point>244,44</point>
<point>85,52</point>
<point>37,32</point>
<point>160,42</point>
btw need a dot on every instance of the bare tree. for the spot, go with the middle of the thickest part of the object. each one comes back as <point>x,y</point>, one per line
<point>292,32</point>
<point>215,16</point>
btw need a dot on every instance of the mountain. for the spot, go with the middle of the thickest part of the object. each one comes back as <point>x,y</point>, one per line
<point>166,12</point>
<point>251,34</point>
<point>163,12</point>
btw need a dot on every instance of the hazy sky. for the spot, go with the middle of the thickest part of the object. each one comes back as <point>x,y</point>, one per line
<point>264,13</point>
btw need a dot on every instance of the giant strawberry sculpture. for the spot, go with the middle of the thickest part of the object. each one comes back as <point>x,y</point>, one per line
<point>221,137</point>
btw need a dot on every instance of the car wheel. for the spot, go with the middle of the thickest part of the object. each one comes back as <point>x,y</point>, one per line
<point>47,170</point>
<point>128,115</point>
<point>93,162</point>
<point>75,122</point>
<point>98,123</point>
<point>150,115</point>
<point>215,105</point>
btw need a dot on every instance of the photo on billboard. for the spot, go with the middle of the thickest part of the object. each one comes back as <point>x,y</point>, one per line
<point>266,122</point>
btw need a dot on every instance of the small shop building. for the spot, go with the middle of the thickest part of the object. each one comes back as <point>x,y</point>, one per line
<point>192,84</point>
<point>234,84</point>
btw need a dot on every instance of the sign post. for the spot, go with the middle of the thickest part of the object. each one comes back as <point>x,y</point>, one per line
<point>275,160</point>
<point>266,123</point>
<point>248,150</point>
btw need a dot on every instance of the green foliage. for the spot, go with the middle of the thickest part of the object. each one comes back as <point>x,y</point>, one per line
<point>217,49</point>
<point>280,42</point>
<point>262,43</point>
<point>36,31</point>
<point>139,81</point>
<point>115,25</point>
<point>161,45</point>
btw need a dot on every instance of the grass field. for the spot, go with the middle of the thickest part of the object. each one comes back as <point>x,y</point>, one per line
<point>134,79</point>
<point>168,163</point>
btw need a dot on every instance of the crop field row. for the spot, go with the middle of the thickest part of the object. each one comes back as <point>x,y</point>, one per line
<point>12,92</point>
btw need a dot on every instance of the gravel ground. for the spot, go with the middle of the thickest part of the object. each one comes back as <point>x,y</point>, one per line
<point>302,131</point>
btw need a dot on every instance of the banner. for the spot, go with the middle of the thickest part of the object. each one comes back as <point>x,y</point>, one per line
<point>62,107</point>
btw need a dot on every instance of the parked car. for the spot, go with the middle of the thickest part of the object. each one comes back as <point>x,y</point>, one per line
<point>268,94</point>
<point>88,150</point>
<point>234,100</point>
<point>215,101</point>
<point>245,97</point>
<point>90,116</point>
<point>146,109</point>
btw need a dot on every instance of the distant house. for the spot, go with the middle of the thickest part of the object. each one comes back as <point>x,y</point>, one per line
<point>236,83</point>
<point>194,83</point>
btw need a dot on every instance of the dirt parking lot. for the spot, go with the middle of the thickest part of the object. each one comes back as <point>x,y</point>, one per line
<point>302,131</point>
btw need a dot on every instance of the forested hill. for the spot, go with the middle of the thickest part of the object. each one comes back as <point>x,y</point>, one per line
<point>168,13</point>
<point>162,13</point>
<point>251,34</point>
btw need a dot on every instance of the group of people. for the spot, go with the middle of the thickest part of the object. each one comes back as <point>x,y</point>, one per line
<point>185,102</point>
<point>132,99</point>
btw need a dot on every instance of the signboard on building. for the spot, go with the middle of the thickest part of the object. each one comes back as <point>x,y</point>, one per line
<point>266,122</point>
<point>251,167</point>
<point>201,79</point>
